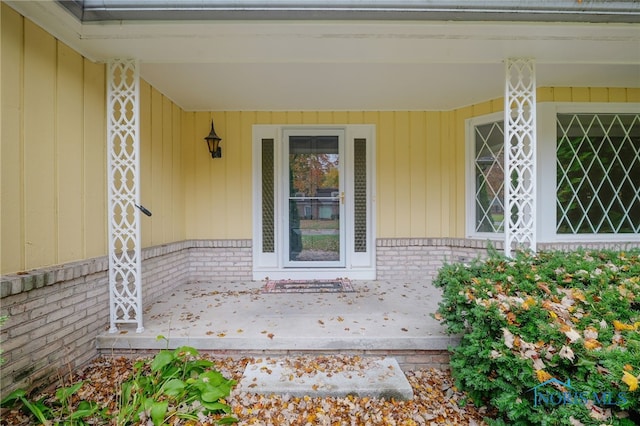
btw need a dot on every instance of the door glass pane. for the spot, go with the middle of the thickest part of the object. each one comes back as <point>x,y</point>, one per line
<point>314,199</point>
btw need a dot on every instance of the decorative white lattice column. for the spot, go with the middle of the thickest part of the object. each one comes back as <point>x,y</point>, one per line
<point>123,138</point>
<point>520,155</point>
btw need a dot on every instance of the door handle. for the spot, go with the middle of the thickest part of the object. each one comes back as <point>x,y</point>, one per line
<point>342,197</point>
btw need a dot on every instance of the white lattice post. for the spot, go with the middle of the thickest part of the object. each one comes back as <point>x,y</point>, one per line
<point>123,137</point>
<point>520,155</point>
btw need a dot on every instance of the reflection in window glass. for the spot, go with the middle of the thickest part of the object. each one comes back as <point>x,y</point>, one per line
<point>598,173</point>
<point>489,177</point>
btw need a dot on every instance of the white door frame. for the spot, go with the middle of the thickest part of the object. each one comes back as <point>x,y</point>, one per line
<point>268,259</point>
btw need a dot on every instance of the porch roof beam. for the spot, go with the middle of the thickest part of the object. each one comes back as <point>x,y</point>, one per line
<point>455,10</point>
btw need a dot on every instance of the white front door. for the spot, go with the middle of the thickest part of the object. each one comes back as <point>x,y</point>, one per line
<point>314,230</point>
<point>313,207</point>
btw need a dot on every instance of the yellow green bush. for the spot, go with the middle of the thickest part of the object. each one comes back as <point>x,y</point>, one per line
<point>547,339</point>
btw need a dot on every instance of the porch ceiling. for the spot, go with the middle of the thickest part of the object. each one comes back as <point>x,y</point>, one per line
<point>348,64</point>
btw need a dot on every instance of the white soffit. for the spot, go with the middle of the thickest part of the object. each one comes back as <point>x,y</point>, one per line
<point>347,65</point>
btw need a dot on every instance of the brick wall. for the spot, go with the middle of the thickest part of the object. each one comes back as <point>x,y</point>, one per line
<point>594,245</point>
<point>222,259</point>
<point>54,316</point>
<point>56,313</point>
<point>420,258</point>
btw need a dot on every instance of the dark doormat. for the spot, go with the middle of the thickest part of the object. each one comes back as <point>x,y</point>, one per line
<point>309,286</point>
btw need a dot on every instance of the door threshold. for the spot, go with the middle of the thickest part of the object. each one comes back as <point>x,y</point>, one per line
<point>314,274</point>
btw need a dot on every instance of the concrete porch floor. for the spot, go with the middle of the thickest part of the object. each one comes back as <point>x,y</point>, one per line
<point>237,317</point>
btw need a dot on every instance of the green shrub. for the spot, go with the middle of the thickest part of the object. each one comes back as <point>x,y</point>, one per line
<point>547,339</point>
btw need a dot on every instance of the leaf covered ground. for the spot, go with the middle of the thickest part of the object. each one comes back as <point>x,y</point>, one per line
<point>436,400</point>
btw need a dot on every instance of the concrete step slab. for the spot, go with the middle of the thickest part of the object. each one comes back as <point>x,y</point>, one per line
<point>373,377</point>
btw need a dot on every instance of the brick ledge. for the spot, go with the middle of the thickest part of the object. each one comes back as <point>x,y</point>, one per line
<point>20,282</point>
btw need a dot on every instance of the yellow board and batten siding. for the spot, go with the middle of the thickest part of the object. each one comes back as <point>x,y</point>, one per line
<point>53,159</point>
<point>161,173</point>
<point>54,154</point>
<point>11,157</point>
<point>419,162</point>
<point>40,180</point>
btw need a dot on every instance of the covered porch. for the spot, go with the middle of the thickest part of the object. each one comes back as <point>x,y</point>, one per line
<point>390,317</point>
<point>78,259</point>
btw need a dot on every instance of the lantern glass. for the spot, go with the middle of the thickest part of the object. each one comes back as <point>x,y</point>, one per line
<point>213,143</point>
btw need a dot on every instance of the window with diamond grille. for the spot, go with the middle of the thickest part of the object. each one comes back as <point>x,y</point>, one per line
<point>598,173</point>
<point>488,167</point>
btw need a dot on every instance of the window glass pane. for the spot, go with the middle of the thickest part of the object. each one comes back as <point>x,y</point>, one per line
<point>268,231</point>
<point>360,195</point>
<point>598,173</point>
<point>489,177</point>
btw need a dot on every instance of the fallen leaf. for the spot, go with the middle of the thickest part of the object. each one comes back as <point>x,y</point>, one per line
<point>590,333</point>
<point>270,335</point>
<point>543,376</point>
<point>544,287</point>
<point>575,422</point>
<point>592,344</point>
<point>529,302</point>
<point>621,326</point>
<point>508,338</point>
<point>597,412</point>
<point>630,380</point>
<point>572,334</point>
<point>538,363</point>
<point>566,353</point>
<point>578,294</point>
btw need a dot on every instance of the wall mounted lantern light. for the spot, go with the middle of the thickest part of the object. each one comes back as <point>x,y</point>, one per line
<point>213,142</point>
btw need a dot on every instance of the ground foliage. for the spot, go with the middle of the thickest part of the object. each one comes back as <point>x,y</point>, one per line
<point>173,386</point>
<point>436,399</point>
<point>573,317</point>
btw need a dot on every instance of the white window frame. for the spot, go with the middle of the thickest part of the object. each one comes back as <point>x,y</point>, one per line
<point>546,173</point>
<point>546,182</point>
<point>470,178</point>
